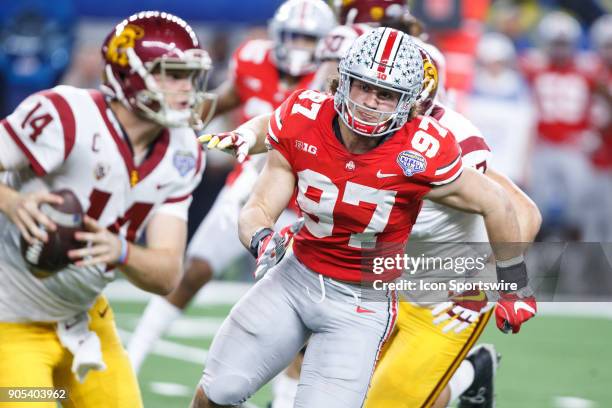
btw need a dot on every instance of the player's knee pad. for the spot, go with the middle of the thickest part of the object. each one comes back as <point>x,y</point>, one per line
<point>231,389</point>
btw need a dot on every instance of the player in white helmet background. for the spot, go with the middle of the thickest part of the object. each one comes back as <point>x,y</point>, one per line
<point>263,74</point>
<point>598,217</point>
<point>563,90</point>
<point>500,105</point>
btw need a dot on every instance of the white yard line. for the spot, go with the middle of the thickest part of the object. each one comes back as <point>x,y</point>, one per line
<point>576,309</point>
<point>170,389</point>
<point>572,402</point>
<point>173,350</point>
<point>185,327</point>
<point>214,293</point>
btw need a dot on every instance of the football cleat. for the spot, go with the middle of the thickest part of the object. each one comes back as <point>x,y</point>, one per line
<point>480,394</point>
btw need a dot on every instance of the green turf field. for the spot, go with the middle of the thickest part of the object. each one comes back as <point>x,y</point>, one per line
<point>552,357</point>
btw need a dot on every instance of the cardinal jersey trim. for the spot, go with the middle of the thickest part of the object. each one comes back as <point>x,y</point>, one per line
<point>137,173</point>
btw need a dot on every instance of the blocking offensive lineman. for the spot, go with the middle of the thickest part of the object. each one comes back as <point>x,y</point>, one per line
<point>130,155</point>
<point>362,165</point>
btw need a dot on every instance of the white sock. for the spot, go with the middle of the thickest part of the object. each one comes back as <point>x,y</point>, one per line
<point>284,389</point>
<point>156,319</point>
<point>461,380</point>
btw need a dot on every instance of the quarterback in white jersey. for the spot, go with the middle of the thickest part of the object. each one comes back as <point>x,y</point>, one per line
<point>130,155</point>
<point>82,148</point>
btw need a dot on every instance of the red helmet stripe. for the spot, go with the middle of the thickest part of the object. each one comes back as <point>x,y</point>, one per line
<point>390,40</point>
<point>303,13</point>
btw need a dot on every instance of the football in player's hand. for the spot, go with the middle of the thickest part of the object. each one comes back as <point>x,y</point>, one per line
<point>46,258</point>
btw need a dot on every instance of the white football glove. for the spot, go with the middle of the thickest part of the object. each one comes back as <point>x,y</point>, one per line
<point>465,308</point>
<point>235,142</point>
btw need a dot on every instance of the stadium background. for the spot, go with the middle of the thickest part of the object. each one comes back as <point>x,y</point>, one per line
<point>561,359</point>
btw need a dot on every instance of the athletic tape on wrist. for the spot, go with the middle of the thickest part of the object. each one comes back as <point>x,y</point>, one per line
<point>513,271</point>
<point>125,250</point>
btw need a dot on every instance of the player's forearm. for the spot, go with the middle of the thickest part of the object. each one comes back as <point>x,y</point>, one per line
<point>154,270</point>
<point>255,130</point>
<point>527,213</point>
<point>252,218</point>
<point>501,222</point>
<point>473,192</point>
<point>270,197</point>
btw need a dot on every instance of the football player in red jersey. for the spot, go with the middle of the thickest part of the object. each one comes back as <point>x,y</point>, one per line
<point>263,74</point>
<point>563,91</point>
<point>426,369</point>
<point>598,217</point>
<point>362,163</point>
<point>130,155</point>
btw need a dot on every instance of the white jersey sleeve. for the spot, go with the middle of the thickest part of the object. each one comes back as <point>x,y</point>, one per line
<point>43,127</point>
<point>437,223</point>
<point>178,202</point>
<point>475,151</point>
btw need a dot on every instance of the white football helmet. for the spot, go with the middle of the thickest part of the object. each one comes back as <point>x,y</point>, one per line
<point>388,59</point>
<point>558,26</point>
<point>309,18</point>
<point>601,31</point>
<point>495,47</point>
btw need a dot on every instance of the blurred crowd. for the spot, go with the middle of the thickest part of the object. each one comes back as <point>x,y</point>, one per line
<point>534,76</point>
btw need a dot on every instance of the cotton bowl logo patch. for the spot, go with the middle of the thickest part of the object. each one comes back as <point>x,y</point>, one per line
<point>184,162</point>
<point>411,162</point>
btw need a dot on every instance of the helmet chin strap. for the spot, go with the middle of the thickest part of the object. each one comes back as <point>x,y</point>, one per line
<point>363,127</point>
<point>116,91</point>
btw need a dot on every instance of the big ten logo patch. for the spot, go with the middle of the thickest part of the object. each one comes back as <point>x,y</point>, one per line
<point>303,146</point>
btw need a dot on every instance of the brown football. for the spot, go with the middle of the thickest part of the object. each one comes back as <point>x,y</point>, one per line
<point>47,258</point>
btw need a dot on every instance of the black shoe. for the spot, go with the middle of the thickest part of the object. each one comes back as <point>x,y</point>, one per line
<point>484,358</point>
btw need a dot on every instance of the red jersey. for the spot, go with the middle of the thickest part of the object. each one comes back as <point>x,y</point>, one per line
<point>356,205</point>
<point>257,79</point>
<point>563,95</point>
<point>602,157</point>
<point>258,84</point>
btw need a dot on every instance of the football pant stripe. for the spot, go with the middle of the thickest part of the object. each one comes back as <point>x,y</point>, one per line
<point>480,326</point>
